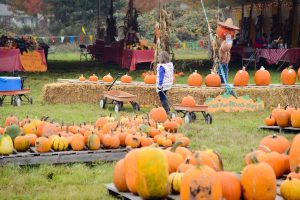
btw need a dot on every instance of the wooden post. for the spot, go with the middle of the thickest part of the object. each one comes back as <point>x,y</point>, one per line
<point>293,25</point>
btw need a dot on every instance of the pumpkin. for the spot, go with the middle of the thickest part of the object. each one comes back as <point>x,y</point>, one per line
<point>184,167</point>
<point>50,129</point>
<point>130,162</point>
<point>81,78</point>
<point>42,145</point>
<point>248,157</point>
<point>111,141</point>
<point>282,118</point>
<point>223,31</point>
<point>108,78</point>
<point>188,101</point>
<point>158,114</point>
<point>209,158</point>
<point>184,152</point>
<point>294,153</point>
<point>258,187</point>
<point>154,132</point>
<point>133,141</point>
<point>93,78</point>
<point>150,79</point>
<point>32,138</point>
<point>299,73</point>
<point>175,182</point>
<point>11,120</point>
<point>93,142</point>
<point>60,144</point>
<point>200,182</point>
<point>122,136</point>
<point>241,78</point>
<point>289,189</point>
<point>262,77</point>
<point>231,186</point>
<point>146,141</point>
<point>119,176</point>
<point>6,145</point>
<point>295,174</point>
<point>77,142</point>
<point>29,128</point>
<point>171,126</point>
<point>126,79</point>
<point>275,143</point>
<point>174,159</point>
<point>286,163</point>
<point>295,118</point>
<point>152,173</point>
<point>1,131</point>
<point>270,121</point>
<point>21,143</point>
<point>213,80</point>
<point>288,76</point>
<point>13,131</point>
<point>166,142</point>
<point>195,79</point>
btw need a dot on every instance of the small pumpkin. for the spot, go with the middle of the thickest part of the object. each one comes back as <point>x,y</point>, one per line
<point>188,101</point>
<point>42,145</point>
<point>248,157</point>
<point>93,142</point>
<point>21,143</point>
<point>213,80</point>
<point>150,79</point>
<point>184,167</point>
<point>158,115</point>
<point>60,144</point>
<point>108,78</point>
<point>93,78</point>
<point>282,118</point>
<point>11,120</point>
<point>299,73</point>
<point>13,131</point>
<point>133,141</point>
<point>262,77</point>
<point>275,143</point>
<point>289,189</point>
<point>231,186</point>
<point>174,159</point>
<point>126,79</point>
<point>81,78</point>
<point>119,176</point>
<point>209,158</point>
<point>175,179</point>
<point>288,76</point>
<point>171,126</point>
<point>77,142</point>
<point>29,128</point>
<point>295,174</point>
<point>270,121</point>
<point>195,79</point>
<point>241,78</point>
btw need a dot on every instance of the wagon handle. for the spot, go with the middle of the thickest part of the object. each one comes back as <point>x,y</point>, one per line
<point>118,76</point>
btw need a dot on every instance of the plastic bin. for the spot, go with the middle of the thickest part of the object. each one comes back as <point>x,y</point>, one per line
<point>10,83</point>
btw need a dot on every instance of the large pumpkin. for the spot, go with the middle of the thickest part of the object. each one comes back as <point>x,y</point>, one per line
<point>275,142</point>
<point>130,162</point>
<point>42,145</point>
<point>158,115</point>
<point>241,78</point>
<point>262,77</point>
<point>175,180</point>
<point>152,173</point>
<point>21,143</point>
<point>294,153</point>
<point>248,157</point>
<point>295,118</point>
<point>150,79</point>
<point>213,80</point>
<point>188,101</point>
<point>258,181</point>
<point>200,182</point>
<point>288,76</point>
<point>126,79</point>
<point>119,176</point>
<point>289,189</point>
<point>195,79</point>
<point>231,186</point>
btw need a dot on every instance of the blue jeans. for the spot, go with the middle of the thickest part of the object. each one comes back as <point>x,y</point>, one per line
<point>225,70</point>
<point>164,101</point>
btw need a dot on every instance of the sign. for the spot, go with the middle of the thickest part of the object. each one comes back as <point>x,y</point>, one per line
<point>228,103</point>
<point>33,62</point>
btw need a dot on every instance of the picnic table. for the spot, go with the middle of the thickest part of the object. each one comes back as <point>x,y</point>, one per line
<point>274,56</point>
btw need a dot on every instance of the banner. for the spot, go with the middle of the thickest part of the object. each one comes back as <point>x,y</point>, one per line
<point>33,62</point>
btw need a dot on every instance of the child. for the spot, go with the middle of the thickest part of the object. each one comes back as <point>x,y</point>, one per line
<point>164,79</point>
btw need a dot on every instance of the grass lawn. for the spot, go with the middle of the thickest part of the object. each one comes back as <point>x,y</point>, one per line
<point>232,134</point>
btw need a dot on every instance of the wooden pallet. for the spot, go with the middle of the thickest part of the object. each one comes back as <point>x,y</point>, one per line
<point>280,129</point>
<point>197,108</point>
<point>32,157</point>
<point>113,191</point>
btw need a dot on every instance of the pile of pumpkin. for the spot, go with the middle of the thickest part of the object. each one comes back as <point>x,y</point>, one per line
<point>94,78</point>
<point>107,132</point>
<point>284,117</point>
<point>153,173</point>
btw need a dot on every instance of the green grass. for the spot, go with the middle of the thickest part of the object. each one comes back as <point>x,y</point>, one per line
<point>232,134</point>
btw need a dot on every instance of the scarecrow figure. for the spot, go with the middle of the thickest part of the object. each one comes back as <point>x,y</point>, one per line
<point>222,45</point>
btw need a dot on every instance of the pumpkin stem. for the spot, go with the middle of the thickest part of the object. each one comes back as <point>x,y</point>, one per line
<point>220,159</point>
<point>291,67</point>
<point>198,158</point>
<point>244,68</point>
<point>297,170</point>
<point>274,136</point>
<point>254,159</point>
<point>177,144</point>
<point>265,148</point>
<point>187,161</point>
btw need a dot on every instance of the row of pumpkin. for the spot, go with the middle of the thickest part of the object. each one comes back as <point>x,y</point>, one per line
<point>153,173</point>
<point>107,132</point>
<point>284,117</point>
<point>261,78</point>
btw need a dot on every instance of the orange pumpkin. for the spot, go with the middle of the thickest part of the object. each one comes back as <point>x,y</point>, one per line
<point>146,141</point>
<point>1,131</point>
<point>108,78</point>
<point>119,176</point>
<point>295,118</point>
<point>42,145</point>
<point>209,158</point>
<point>294,153</point>
<point>231,186</point>
<point>81,78</point>
<point>32,138</point>
<point>93,142</point>
<point>286,163</point>
<point>295,173</point>
<point>122,136</point>
<point>188,101</point>
<point>184,152</point>
<point>77,142</point>
<point>270,121</point>
<point>262,77</point>
<point>174,159</point>
<point>11,120</point>
<point>93,78</point>
<point>158,114</point>
<point>248,157</point>
<point>184,167</point>
<point>288,76</point>
<point>111,141</point>
<point>132,141</point>
<point>130,162</point>
<point>171,126</point>
<point>299,73</point>
<point>241,78</point>
<point>150,79</point>
<point>21,143</point>
<point>126,79</point>
<point>223,31</point>
<point>282,118</point>
<point>195,79</point>
<point>213,80</point>
<point>275,143</point>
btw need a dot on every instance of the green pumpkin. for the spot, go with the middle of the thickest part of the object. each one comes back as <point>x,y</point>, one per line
<point>13,131</point>
<point>93,142</point>
<point>6,145</point>
<point>289,189</point>
<point>144,128</point>
<point>152,173</point>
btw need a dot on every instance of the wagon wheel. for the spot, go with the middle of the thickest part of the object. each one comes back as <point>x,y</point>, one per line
<point>187,118</point>
<point>30,100</point>
<point>122,104</point>
<point>208,119</point>
<point>16,101</point>
<point>136,107</point>
<point>102,103</point>
<point>118,107</point>
<point>193,116</point>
